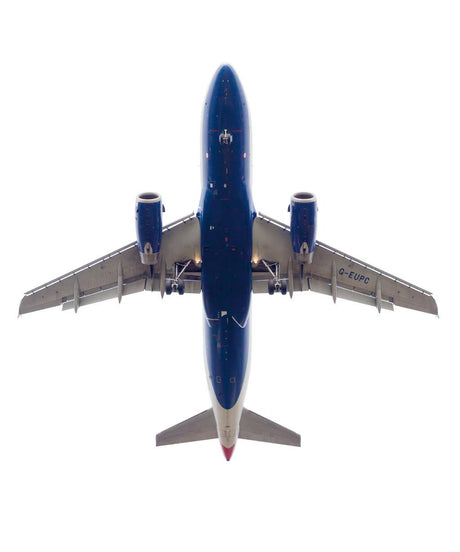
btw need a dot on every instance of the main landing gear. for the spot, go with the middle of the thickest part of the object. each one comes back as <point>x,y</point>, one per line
<point>276,284</point>
<point>176,284</point>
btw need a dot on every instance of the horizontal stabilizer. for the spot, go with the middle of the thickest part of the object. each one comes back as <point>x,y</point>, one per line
<point>198,428</point>
<point>258,428</point>
<point>252,426</point>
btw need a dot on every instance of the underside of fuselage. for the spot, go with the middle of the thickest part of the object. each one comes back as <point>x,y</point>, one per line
<point>226,215</point>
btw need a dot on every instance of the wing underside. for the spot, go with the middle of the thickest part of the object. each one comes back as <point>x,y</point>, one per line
<point>121,273</point>
<point>332,272</point>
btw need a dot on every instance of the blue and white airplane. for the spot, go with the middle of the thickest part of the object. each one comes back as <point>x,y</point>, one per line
<point>227,252</point>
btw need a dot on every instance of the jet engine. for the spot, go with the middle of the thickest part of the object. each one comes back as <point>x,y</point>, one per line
<point>149,226</point>
<point>303,226</point>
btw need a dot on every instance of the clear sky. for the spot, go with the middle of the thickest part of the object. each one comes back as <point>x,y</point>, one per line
<point>354,101</point>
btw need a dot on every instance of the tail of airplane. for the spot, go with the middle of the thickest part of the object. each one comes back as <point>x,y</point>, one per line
<point>252,426</point>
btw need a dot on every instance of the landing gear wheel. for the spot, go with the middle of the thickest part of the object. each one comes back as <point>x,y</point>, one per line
<point>283,288</point>
<point>271,287</point>
<point>168,287</point>
<point>181,288</point>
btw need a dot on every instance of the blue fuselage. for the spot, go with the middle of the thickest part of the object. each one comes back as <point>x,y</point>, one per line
<point>226,213</point>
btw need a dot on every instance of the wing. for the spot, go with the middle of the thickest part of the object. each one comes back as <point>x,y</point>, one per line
<point>122,273</point>
<point>332,273</point>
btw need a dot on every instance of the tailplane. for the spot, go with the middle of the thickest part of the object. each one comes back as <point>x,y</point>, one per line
<point>252,426</point>
<point>257,428</point>
<point>199,428</point>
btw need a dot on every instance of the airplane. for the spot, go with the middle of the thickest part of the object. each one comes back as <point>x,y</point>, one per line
<point>227,251</point>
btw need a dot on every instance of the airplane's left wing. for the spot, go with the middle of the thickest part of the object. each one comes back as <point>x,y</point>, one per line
<point>331,272</point>
<point>121,273</point>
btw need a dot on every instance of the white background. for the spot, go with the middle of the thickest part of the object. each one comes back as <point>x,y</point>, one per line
<point>357,102</point>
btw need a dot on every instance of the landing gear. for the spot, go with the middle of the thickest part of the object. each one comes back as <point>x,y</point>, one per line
<point>276,284</point>
<point>277,287</point>
<point>176,284</point>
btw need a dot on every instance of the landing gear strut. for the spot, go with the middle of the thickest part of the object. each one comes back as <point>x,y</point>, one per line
<point>176,284</point>
<point>276,284</point>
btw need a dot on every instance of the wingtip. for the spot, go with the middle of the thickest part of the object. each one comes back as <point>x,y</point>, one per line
<point>21,309</point>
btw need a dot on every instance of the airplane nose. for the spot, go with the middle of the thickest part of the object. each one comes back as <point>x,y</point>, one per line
<point>227,81</point>
<point>225,105</point>
<point>225,72</point>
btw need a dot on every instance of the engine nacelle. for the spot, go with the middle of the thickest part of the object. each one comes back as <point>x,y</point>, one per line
<point>303,226</point>
<point>149,226</point>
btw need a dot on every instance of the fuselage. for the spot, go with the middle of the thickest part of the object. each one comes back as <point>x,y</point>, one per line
<point>226,214</point>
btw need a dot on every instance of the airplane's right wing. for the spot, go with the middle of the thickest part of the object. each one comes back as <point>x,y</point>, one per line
<point>121,273</point>
<point>332,273</point>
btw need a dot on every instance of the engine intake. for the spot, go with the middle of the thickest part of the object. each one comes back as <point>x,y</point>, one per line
<point>149,226</point>
<point>303,210</point>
